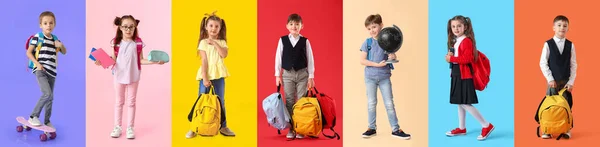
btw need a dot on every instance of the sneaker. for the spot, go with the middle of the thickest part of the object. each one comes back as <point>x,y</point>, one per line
<point>226,132</point>
<point>546,136</point>
<point>567,135</point>
<point>290,135</point>
<point>130,134</point>
<point>299,136</point>
<point>50,125</point>
<point>369,133</point>
<point>116,133</point>
<point>456,132</point>
<point>190,134</point>
<point>485,132</point>
<point>34,121</point>
<point>401,135</point>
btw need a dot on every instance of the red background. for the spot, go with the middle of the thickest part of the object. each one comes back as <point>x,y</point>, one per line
<point>323,27</point>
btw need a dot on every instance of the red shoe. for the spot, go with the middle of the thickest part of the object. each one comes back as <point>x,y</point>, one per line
<point>456,132</point>
<point>485,132</point>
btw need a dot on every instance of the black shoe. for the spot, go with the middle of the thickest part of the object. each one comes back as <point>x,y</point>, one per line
<point>369,133</point>
<point>401,134</point>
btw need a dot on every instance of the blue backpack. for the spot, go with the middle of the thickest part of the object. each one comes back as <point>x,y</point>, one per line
<point>369,42</point>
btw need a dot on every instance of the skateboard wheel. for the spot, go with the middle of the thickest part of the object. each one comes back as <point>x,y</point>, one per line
<point>19,128</point>
<point>52,135</point>
<point>27,128</point>
<point>43,137</point>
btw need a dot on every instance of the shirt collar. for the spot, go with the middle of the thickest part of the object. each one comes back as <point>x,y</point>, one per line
<point>557,40</point>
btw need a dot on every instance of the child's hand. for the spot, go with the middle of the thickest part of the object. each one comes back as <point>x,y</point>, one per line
<point>552,84</point>
<point>58,44</point>
<point>447,58</point>
<point>310,84</point>
<point>278,81</point>
<point>392,56</point>
<point>160,62</point>
<point>98,63</point>
<point>381,64</point>
<point>211,42</point>
<point>40,67</point>
<point>450,53</point>
<point>206,83</point>
<point>569,87</point>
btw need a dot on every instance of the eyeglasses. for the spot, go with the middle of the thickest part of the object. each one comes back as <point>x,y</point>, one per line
<point>127,27</point>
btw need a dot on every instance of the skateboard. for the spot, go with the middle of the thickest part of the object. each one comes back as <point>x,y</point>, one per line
<point>49,133</point>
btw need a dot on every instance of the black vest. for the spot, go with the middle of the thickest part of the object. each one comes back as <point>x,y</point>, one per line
<point>294,57</point>
<point>560,64</point>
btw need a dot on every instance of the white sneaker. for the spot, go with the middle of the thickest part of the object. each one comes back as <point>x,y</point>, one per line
<point>291,135</point>
<point>190,134</point>
<point>130,134</point>
<point>546,136</point>
<point>299,136</point>
<point>116,133</point>
<point>34,121</point>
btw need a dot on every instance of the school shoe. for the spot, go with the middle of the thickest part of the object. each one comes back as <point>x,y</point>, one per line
<point>485,132</point>
<point>567,135</point>
<point>290,135</point>
<point>130,134</point>
<point>369,133</point>
<point>227,132</point>
<point>190,134</point>
<point>116,133</point>
<point>456,132</point>
<point>546,136</point>
<point>401,135</point>
<point>34,121</point>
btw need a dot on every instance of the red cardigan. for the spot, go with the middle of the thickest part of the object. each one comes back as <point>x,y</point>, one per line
<point>465,57</point>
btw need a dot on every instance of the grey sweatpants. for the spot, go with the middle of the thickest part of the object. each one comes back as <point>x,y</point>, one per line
<point>294,87</point>
<point>46,83</point>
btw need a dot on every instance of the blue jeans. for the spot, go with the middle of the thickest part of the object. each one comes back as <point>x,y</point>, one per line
<point>219,85</point>
<point>385,86</point>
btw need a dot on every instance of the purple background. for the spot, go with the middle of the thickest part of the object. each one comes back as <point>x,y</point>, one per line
<point>19,89</point>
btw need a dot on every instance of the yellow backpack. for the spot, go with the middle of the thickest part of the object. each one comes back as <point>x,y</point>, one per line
<point>554,115</point>
<point>307,116</point>
<point>206,117</point>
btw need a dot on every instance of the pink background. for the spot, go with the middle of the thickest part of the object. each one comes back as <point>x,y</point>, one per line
<point>152,122</point>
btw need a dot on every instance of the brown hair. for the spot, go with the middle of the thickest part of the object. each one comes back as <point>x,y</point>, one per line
<point>294,18</point>
<point>47,13</point>
<point>373,19</point>
<point>204,33</point>
<point>561,18</point>
<point>466,21</point>
<point>119,35</point>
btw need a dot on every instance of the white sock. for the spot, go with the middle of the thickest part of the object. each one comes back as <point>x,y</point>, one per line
<point>461,117</point>
<point>476,114</point>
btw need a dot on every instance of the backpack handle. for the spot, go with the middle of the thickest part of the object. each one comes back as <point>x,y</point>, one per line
<point>278,88</point>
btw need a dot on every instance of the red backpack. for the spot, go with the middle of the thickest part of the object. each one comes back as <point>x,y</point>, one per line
<point>481,72</point>
<point>139,44</point>
<point>328,111</point>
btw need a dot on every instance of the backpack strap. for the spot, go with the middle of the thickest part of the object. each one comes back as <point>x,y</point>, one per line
<point>139,45</point>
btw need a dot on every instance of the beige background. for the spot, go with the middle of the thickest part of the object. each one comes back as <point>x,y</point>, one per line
<point>409,79</point>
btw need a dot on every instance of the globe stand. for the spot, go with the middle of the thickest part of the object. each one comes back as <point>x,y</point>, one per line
<point>390,39</point>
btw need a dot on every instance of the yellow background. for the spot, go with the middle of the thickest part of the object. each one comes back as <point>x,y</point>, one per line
<point>240,88</point>
<point>409,78</point>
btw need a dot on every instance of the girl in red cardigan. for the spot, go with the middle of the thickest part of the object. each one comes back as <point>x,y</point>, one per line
<point>462,53</point>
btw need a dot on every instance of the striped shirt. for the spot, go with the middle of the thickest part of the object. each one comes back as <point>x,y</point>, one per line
<point>47,55</point>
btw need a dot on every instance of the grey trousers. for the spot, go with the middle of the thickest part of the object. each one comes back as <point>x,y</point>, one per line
<point>294,87</point>
<point>46,83</point>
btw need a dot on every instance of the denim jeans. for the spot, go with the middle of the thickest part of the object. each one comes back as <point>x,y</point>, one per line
<point>385,86</point>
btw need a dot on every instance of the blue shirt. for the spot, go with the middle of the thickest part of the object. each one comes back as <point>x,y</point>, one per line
<point>376,54</point>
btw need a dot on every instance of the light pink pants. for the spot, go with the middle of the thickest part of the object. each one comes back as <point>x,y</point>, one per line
<point>131,90</point>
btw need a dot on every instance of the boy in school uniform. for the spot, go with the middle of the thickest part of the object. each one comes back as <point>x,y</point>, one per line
<point>558,61</point>
<point>294,55</point>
